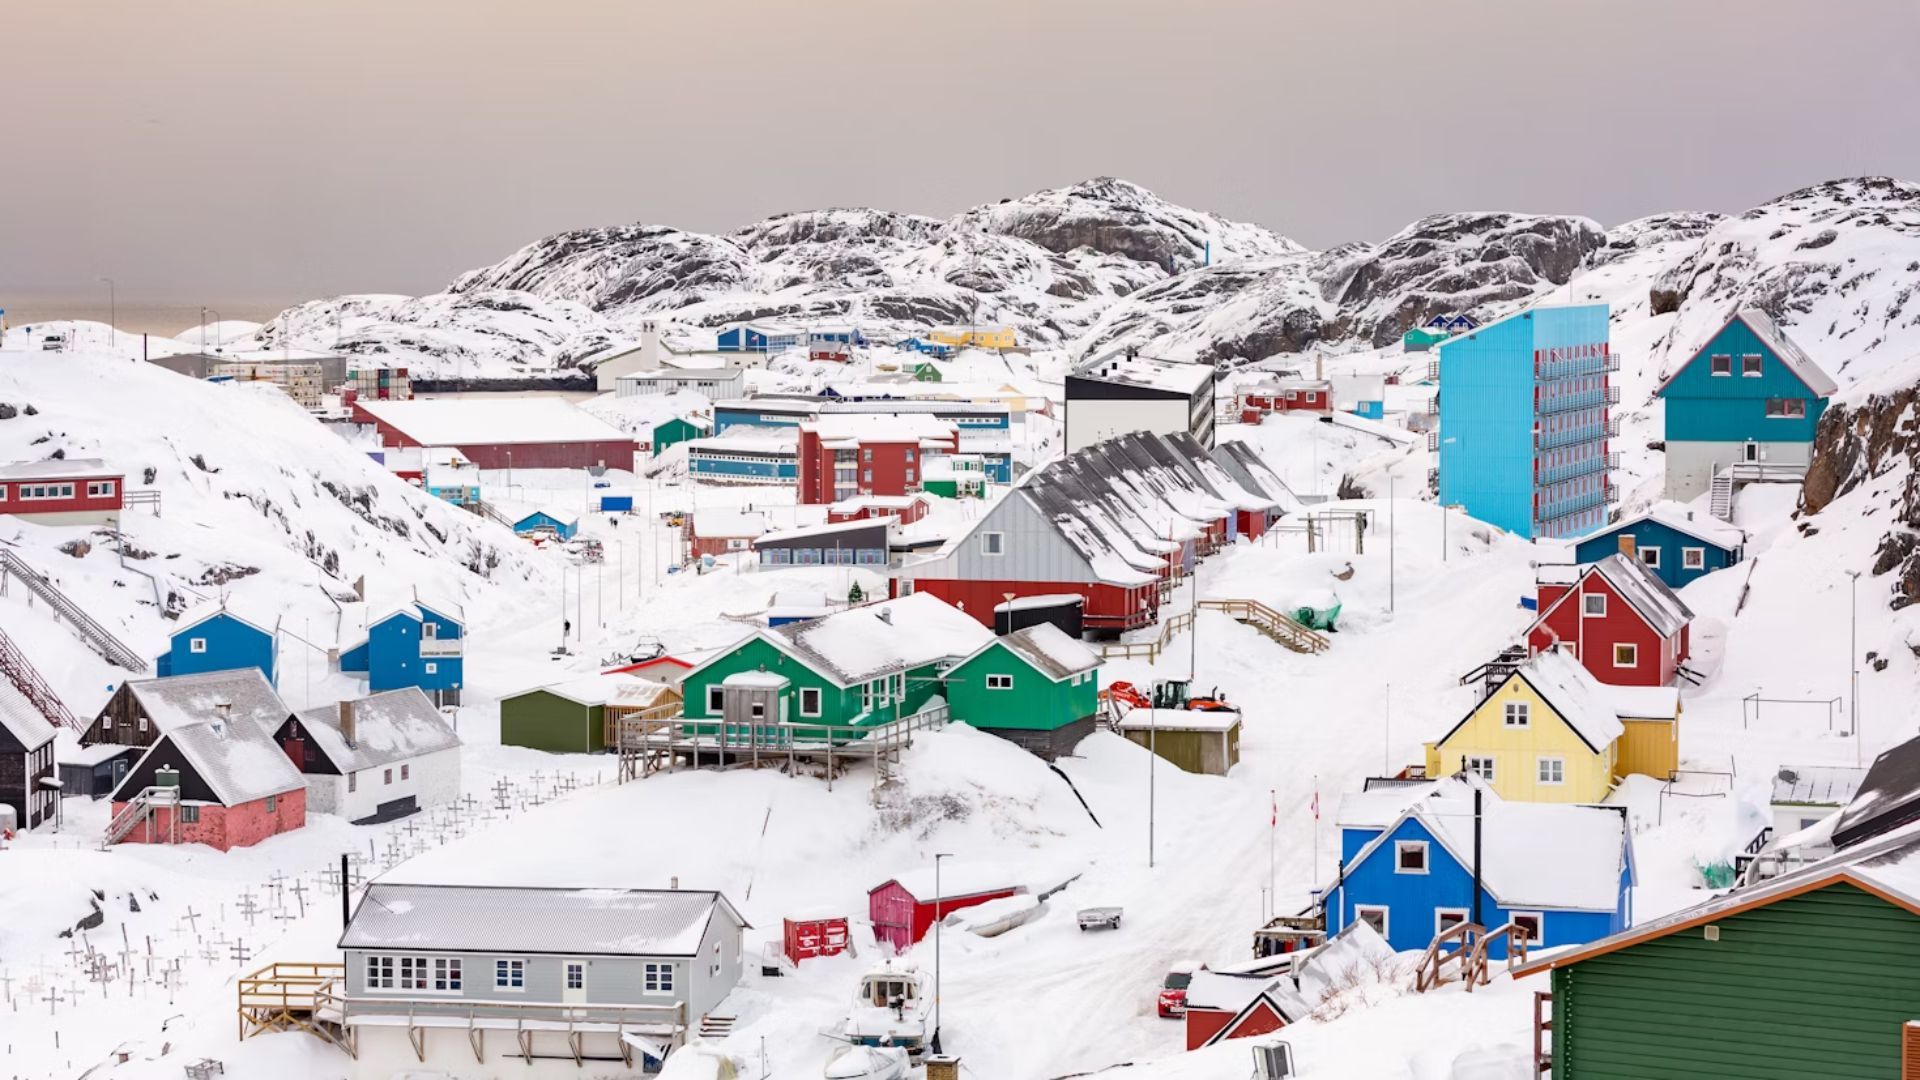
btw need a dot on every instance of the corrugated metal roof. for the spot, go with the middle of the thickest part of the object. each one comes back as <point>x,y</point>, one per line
<point>1817,785</point>
<point>179,700</point>
<point>1663,610</point>
<point>511,919</point>
<point>237,759</point>
<point>398,725</point>
<point>19,716</point>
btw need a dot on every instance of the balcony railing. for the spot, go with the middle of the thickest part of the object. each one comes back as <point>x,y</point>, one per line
<point>1574,368</point>
<point>1598,463</point>
<point>1554,510</point>
<point>1551,404</point>
<point>1433,439</point>
<point>1585,433</point>
<point>1433,370</point>
<point>441,646</point>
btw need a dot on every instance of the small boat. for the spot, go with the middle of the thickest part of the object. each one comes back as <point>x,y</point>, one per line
<point>893,1008</point>
<point>868,1063</point>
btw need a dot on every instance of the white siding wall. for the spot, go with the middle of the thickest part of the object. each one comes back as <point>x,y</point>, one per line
<point>433,779</point>
<point>1092,419</point>
<point>1690,465</point>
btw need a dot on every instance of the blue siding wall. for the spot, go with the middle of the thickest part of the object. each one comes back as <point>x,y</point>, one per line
<point>538,519</point>
<point>1670,542</point>
<point>1704,407</point>
<point>770,471</point>
<point>229,644</point>
<point>1413,899</point>
<point>393,651</point>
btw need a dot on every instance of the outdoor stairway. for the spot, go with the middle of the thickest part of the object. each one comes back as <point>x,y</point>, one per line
<point>27,680</point>
<point>96,636</point>
<point>1721,505</point>
<point>716,1027</point>
<point>1468,957</point>
<point>491,512</point>
<point>138,811</point>
<point>1279,627</point>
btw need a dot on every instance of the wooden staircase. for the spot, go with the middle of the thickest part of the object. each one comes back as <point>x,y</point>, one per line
<point>716,1027</point>
<point>139,811</point>
<point>1721,503</point>
<point>26,679</point>
<point>1280,628</point>
<point>1468,958</point>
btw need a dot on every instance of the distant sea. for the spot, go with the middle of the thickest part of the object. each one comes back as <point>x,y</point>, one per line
<point>134,316</point>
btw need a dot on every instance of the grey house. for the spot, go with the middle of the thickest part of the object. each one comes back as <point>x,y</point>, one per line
<point>438,973</point>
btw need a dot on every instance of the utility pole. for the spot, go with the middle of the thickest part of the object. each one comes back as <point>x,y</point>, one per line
<point>1390,553</point>
<point>1153,755</point>
<point>113,316</point>
<point>939,1017</point>
<point>1853,664</point>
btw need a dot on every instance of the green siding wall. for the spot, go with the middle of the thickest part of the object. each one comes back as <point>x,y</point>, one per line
<point>1036,703</point>
<point>1704,407</point>
<point>837,706</point>
<point>1815,985</point>
<point>544,721</point>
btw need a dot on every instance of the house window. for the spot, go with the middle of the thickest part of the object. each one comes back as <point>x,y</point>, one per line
<point>657,978</point>
<point>1650,557</point>
<point>1750,366</point>
<point>141,724</point>
<point>273,803</point>
<point>716,699</point>
<point>1626,656</point>
<point>1693,558</point>
<point>993,543</point>
<point>380,973</point>
<point>510,974</point>
<point>353,781</point>
<point>1374,915</point>
<point>406,771</point>
<point>909,456</point>
<point>432,667</point>
<point>446,973</point>
<point>1551,770</point>
<point>1481,767</point>
<point>197,645</point>
<point>413,973</point>
<point>1516,714</point>
<point>429,631</point>
<point>389,778</point>
<point>809,701</point>
<point>866,476</point>
<point>757,710</point>
<point>189,814</point>
<point>909,476</point>
<point>1722,365</point>
<point>1447,918</point>
<point>1527,925</point>
<point>100,489</point>
<point>1594,604</point>
<point>1787,408</point>
<point>1410,857</point>
<point>576,977</point>
<point>999,682</point>
<point>866,454</point>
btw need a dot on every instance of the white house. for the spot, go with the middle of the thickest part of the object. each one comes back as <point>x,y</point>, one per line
<point>375,759</point>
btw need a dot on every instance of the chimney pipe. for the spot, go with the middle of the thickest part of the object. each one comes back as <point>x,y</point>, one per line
<point>1476,855</point>
<point>347,731</point>
<point>346,894</point>
<point>673,882</point>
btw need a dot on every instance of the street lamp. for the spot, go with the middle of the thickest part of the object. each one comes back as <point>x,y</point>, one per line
<point>204,312</point>
<point>938,1016</point>
<point>1853,662</point>
<point>113,315</point>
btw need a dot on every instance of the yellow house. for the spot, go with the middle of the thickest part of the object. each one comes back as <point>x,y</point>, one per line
<point>979,337</point>
<point>1550,732</point>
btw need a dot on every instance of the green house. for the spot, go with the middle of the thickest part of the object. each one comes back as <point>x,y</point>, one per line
<point>1036,687</point>
<point>1815,973</point>
<point>668,433</point>
<point>566,718</point>
<point>864,666</point>
<point>924,371</point>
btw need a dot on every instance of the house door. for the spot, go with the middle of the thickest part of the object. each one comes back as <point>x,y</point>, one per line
<point>573,988</point>
<point>119,773</point>
<point>1627,546</point>
<point>1750,452</point>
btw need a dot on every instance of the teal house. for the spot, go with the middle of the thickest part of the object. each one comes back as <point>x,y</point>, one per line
<point>1677,544</point>
<point>1748,397</point>
<point>1525,417</point>
<point>1036,687</point>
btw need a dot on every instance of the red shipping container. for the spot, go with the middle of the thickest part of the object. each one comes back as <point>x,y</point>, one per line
<point>821,936</point>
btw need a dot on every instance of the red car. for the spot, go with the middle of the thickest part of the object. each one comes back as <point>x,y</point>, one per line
<point>1172,1002</point>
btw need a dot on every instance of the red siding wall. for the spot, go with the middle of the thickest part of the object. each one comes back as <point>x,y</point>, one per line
<point>1203,1024</point>
<point>1108,607</point>
<point>613,453</point>
<point>80,502</point>
<point>224,827</point>
<point>1593,639</point>
<point>900,920</point>
<point>889,468</point>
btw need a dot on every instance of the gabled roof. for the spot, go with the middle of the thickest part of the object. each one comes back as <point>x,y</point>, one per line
<point>262,620</point>
<point>1889,796</point>
<point>20,718</point>
<point>1817,381</point>
<point>1645,593</point>
<point>1888,868</point>
<point>398,725</point>
<point>514,919</point>
<point>564,517</point>
<point>1570,691</point>
<point>1045,648</point>
<point>866,642</point>
<point>58,469</point>
<point>179,700</point>
<point>237,759</point>
<point>1680,520</point>
<point>1286,1004</point>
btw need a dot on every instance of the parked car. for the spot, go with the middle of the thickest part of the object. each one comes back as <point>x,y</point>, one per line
<point>1173,990</point>
<point>53,343</point>
<point>1099,918</point>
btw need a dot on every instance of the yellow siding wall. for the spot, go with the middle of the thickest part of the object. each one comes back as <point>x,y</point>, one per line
<point>1650,747</point>
<point>985,337</point>
<point>1516,751</point>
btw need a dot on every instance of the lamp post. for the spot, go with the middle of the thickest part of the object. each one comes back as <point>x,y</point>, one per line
<point>1390,558</point>
<point>204,312</point>
<point>113,315</point>
<point>939,1017</point>
<point>1853,662</point>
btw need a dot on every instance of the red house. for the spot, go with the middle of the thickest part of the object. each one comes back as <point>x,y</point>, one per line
<point>1222,1007</point>
<point>904,909</point>
<point>723,532</point>
<point>816,936</point>
<point>75,491</point>
<point>907,509</point>
<point>1622,623</point>
<point>841,457</point>
<point>223,783</point>
<point>1286,395</point>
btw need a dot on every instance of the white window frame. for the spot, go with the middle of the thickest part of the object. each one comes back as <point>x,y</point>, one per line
<point>993,545</point>
<point>432,667</point>
<point>1693,558</point>
<point>999,682</point>
<point>1512,709</point>
<point>100,489</point>
<point>1633,653</point>
<point>197,645</point>
<point>1361,911</point>
<point>567,968</point>
<point>1541,770</point>
<point>1650,563</point>
<point>1713,360</point>
<point>657,978</point>
<point>1460,915</point>
<point>1589,609</point>
<point>1759,366</point>
<point>1539,924</point>
<point>813,693</point>
<point>1473,762</point>
<point>716,699</point>
<point>1400,850</point>
<point>379,973</point>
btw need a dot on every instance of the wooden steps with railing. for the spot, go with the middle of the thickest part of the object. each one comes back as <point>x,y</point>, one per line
<point>1468,959</point>
<point>1275,625</point>
<point>140,810</point>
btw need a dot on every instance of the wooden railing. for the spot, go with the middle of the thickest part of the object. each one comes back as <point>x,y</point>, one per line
<point>521,1020</point>
<point>1516,941</point>
<point>1274,624</point>
<point>1432,971</point>
<point>617,714</point>
<point>1152,648</point>
<point>656,741</point>
<point>1542,1032</point>
<point>284,997</point>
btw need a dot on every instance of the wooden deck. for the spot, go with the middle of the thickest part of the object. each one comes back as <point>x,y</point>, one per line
<point>647,745</point>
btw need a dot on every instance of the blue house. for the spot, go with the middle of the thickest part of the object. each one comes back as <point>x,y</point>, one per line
<point>1524,422</point>
<point>751,338</point>
<point>935,349</point>
<point>212,637</point>
<point>1563,872</point>
<point>414,643</point>
<point>1750,397</point>
<point>1668,540</point>
<point>558,522</point>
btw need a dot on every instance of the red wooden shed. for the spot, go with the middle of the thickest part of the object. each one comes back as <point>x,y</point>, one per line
<point>904,908</point>
<point>1222,1006</point>
<point>819,935</point>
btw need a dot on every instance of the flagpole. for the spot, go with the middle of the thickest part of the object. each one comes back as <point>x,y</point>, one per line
<point>1273,826</point>
<point>1315,876</point>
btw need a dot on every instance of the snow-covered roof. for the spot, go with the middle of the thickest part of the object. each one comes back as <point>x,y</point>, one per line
<point>1775,339</point>
<point>179,700</point>
<point>1379,807</point>
<point>1173,376</point>
<point>57,469</point>
<point>683,375</point>
<point>727,524</point>
<point>398,725</point>
<point>743,438</point>
<point>1645,593</point>
<point>961,879</point>
<point>1180,720</point>
<point>1889,794</point>
<point>237,759</point>
<point>1643,702</point>
<point>1213,991</point>
<point>1817,785</point>
<point>589,689</point>
<point>1047,649</point>
<point>1028,603</point>
<point>876,502</point>
<point>863,643</point>
<point>639,693</point>
<point>1681,520</point>
<point>807,532</point>
<point>1572,691</point>
<point>924,429</point>
<point>259,618</point>
<point>757,680</point>
<point>95,754</point>
<point>464,421</point>
<point>21,719</point>
<point>563,517</point>
<point>509,919</point>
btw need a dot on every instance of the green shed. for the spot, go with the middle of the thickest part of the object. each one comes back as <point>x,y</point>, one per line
<point>1036,686</point>
<point>1420,339</point>
<point>566,718</point>
<point>1815,973</point>
<point>668,433</point>
<point>1198,741</point>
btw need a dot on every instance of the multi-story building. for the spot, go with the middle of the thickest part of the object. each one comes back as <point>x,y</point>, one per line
<point>1122,393</point>
<point>380,382</point>
<point>841,457</point>
<point>1525,416</point>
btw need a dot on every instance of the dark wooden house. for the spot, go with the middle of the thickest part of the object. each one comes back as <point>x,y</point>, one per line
<point>27,783</point>
<point>141,710</point>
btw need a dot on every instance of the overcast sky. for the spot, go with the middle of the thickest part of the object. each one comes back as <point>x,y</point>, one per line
<point>228,150</point>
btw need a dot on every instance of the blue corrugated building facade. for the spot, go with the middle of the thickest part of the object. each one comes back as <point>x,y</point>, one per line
<point>758,339</point>
<point>562,525</point>
<point>1678,548</point>
<point>1525,415</point>
<point>412,645</point>
<point>986,431</point>
<point>216,640</point>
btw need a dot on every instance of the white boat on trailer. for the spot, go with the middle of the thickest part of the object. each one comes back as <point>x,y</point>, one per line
<point>894,1007</point>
